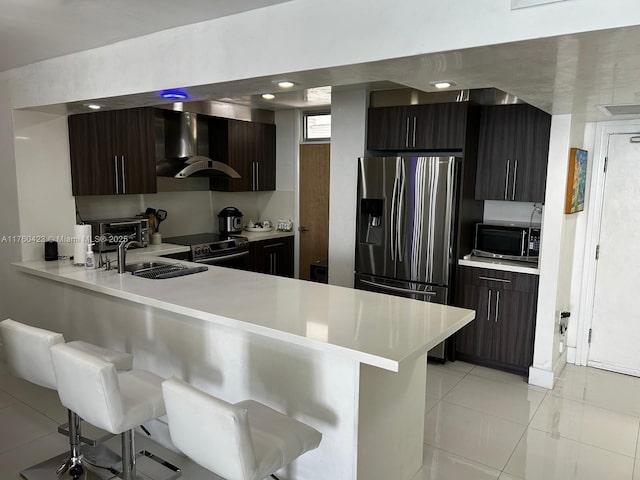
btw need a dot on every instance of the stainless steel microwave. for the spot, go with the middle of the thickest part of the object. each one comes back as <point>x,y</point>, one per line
<point>108,233</point>
<point>508,241</point>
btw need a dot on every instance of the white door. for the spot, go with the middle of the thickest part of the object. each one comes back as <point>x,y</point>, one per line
<point>615,339</point>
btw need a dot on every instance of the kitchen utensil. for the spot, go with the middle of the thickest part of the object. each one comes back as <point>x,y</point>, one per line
<point>153,223</point>
<point>161,215</point>
<point>151,214</point>
<point>230,220</point>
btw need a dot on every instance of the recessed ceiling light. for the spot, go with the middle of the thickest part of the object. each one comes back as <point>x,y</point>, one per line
<point>268,96</point>
<point>174,94</point>
<point>93,106</point>
<point>286,84</point>
<point>442,84</point>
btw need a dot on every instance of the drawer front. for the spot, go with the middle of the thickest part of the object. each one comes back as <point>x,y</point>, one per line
<point>485,277</point>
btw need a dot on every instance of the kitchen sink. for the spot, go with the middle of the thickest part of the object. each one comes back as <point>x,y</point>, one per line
<point>140,266</point>
<point>162,270</point>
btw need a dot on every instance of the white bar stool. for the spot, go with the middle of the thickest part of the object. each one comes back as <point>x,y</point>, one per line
<point>114,401</point>
<point>28,354</point>
<point>242,441</point>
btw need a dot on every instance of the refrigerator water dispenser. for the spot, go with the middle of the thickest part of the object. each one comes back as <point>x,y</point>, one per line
<point>371,211</point>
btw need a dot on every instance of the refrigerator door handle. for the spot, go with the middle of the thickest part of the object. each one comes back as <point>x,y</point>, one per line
<point>392,229</point>
<point>399,219</point>
<point>397,289</point>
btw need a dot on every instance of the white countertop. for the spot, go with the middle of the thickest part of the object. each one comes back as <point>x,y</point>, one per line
<point>504,265</point>
<point>257,236</point>
<point>372,328</point>
<point>162,249</point>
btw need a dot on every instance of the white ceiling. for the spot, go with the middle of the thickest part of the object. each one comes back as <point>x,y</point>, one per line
<point>566,74</point>
<point>34,30</point>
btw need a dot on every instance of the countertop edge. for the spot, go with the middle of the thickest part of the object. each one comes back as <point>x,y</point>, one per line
<point>80,278</point>
<point>498,265</point>
<point>259,236</point>
<point>362,357</point>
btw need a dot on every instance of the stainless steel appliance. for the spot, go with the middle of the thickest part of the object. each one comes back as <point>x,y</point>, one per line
<point>508,241</point>
<point>407,209</point>
<point>182,147</point>
<point>107,234</point>
<point>230,220</point>
<point>213,249</point>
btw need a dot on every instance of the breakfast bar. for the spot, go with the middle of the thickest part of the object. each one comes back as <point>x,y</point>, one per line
<point>350,363</point>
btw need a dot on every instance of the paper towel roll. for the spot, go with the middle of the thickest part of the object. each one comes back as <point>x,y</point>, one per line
<point>83,238</point>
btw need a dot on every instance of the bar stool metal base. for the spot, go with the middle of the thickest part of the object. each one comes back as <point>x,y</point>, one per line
<point>127,469</point>
<point>46,470</point>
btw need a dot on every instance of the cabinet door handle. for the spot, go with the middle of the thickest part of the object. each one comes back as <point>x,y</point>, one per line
<point>497,304</point>
<point>406,140</point>
<point>115,166</point>
<point>414,132</point>
<point>502,280</point>
<point>124,185</point>
<point>489,305</point>
<point>273,262</point>
<point>515,175</point>
<point>257,175</point>
<point>506,179</point>
<point>273,245</point>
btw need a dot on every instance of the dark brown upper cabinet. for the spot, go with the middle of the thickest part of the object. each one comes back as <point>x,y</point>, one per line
<point>437,126</point>
<point>249,148</point>
<point>113,152</point>
<point>512,153</point>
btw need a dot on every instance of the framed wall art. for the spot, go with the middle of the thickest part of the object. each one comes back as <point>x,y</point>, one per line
<point>576,180</point>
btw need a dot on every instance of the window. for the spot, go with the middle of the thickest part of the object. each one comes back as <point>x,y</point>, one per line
<point>317,126</point>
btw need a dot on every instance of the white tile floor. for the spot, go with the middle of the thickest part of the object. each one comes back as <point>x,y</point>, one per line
<point>486,424</point>
<point>481,424</point>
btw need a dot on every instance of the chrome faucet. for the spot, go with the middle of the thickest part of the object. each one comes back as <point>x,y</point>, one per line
<point>122,253</point>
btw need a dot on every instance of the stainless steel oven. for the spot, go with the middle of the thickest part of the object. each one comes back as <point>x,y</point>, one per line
<point>213,249</point>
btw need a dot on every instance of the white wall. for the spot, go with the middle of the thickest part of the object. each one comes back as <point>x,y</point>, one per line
<point>348,127</point>
<point>541,373</point>
<point>10,251</point>
<point>44,182</point>
<point>557,254</point>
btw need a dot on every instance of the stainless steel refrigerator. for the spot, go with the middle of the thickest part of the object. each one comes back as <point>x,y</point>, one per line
<point>406,219</point>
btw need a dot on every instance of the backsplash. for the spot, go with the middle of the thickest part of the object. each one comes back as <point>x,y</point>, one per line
<point>510,211</point>
<point>190,212</point>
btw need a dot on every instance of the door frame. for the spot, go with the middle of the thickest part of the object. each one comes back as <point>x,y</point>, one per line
<point>604,130</point>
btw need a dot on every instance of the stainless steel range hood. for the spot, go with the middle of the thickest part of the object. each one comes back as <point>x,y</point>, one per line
<point>182,146</point>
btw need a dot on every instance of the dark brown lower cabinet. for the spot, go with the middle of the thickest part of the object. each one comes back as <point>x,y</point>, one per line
<point>274,256</point>
<point>502,334</point>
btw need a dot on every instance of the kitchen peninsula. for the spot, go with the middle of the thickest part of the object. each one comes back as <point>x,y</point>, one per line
<point>350,363</point>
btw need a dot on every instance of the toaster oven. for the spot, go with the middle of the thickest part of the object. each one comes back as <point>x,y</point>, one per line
<point>108,233</point>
